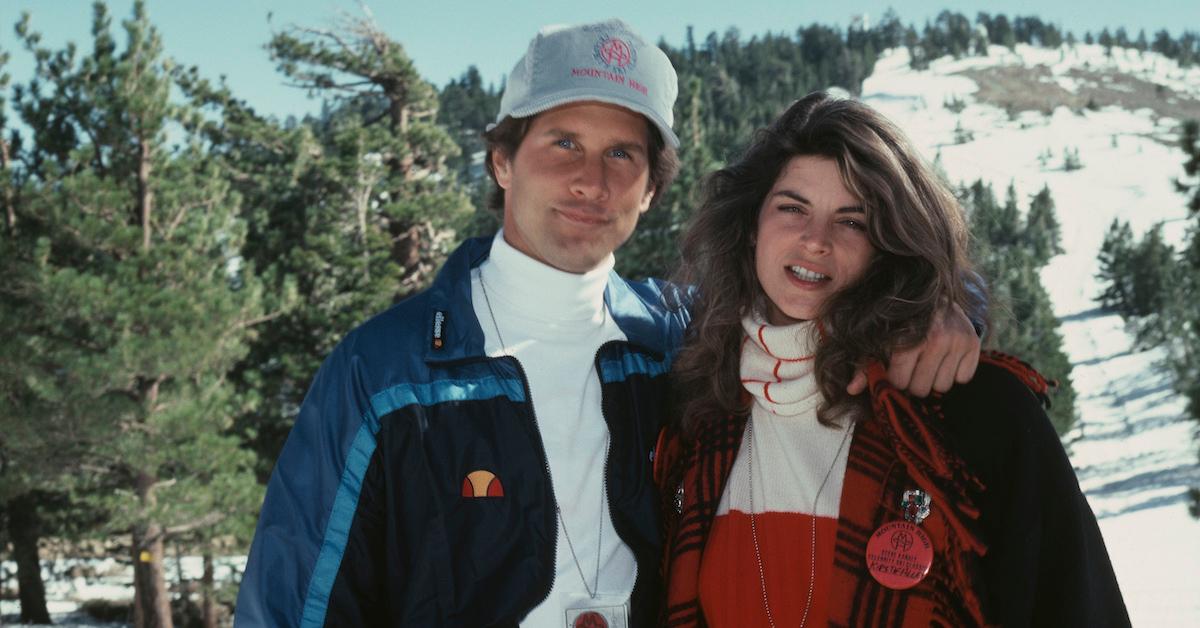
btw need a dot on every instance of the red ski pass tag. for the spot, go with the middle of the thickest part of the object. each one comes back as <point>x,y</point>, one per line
<point>899,555</point>
<point>598,617</point>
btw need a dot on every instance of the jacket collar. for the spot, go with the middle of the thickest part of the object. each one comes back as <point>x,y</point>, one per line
<point>451,314</point>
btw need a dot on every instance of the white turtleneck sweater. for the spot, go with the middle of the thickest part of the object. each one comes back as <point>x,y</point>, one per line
<point>554,322</point>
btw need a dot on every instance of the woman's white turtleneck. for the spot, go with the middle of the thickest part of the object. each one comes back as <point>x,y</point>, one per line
<point>792,451</point>
<point>554,322</point>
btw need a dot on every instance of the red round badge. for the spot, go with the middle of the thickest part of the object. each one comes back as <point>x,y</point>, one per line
<point>899,555</point>
<point>590,619</point>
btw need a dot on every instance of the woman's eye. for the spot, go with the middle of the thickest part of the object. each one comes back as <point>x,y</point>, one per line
<point>794,209</point>
<point>855,224</point>
<point>565,143</point>
<point>619,153</point>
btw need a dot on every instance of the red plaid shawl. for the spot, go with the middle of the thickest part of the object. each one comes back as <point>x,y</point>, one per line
<point>896,450</point>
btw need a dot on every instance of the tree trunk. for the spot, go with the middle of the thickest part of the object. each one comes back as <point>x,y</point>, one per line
<point>206,586</point>
<point>139,618</point>
<point>24,528</point>
<point>149,579</point>
<point>144,193</point>
<point>184,595</point>
<point>10,214</point>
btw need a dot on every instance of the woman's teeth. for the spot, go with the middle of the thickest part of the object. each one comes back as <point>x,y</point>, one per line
<point>807,274</point>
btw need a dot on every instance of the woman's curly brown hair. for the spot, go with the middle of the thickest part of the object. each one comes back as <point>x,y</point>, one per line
<point>914,222</point>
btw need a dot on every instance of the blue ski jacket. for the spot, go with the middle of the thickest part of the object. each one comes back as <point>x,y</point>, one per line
<point>414,488</point>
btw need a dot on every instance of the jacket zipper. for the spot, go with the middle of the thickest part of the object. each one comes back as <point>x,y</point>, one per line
<point>607,455</point>
<point>549,480</point>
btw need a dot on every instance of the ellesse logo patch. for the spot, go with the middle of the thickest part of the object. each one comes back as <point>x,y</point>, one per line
<point>482,483</point>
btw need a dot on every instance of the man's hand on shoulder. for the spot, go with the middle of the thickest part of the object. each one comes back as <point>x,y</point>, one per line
<point>949,354</point>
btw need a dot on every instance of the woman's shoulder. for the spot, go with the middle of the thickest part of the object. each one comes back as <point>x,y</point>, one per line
<point>1001,408</point>
<point>1002,378</point>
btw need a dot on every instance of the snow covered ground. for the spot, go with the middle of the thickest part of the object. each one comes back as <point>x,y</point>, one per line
<point>69,582</point>
<point>1134,449</point>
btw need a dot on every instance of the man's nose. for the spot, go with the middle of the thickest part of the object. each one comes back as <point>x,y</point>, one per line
<point>591,179</point>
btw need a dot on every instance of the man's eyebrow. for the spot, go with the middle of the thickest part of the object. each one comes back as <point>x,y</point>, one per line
<point>631,146</point>
<point>557,132</point>
<point>799,198</point>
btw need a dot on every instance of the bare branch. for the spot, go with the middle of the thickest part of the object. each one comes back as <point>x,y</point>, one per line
<point>162,484</point>
<point>258,320</point>
<point>328,34</point>
<point>178,218</point>
<point>210,519</point>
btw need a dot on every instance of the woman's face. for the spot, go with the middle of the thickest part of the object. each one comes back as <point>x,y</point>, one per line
<point>812,239</point>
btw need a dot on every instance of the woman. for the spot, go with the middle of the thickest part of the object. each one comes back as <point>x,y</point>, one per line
<point>788,502</point>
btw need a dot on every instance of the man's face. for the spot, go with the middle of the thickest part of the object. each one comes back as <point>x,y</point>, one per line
<point>576,185</point>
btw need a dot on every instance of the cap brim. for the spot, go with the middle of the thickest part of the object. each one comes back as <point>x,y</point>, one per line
<point>587,95</point>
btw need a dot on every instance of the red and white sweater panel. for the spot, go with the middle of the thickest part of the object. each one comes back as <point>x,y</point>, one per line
<point>792,454</point>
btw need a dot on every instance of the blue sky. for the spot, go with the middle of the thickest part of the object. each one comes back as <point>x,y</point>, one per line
<point>225,37</point>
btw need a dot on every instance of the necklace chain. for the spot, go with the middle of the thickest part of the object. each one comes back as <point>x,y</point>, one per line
<point>594,589</point>
<point>812,562</point>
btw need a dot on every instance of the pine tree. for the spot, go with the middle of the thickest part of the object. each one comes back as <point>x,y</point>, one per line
<point>653,251</point>
<point>889,31</point>
<point>1115,258</point>
<point>918,59</point>
<point>347,213</point>
<point>466,108</point>
<point>1141,280</point>
<point>1181,333</point>
<point>1051,36</point>
<point>1042,231</point>
<point>1121,38</point>
<point>1153,268</point>
<point>1190,187</point>
<point>1025,325</point>
<point>1044,157</point>
<point>31,461</point>
<point>961,134</point>
<point>992,224</point>
<point>146,302</point>
<point>1023,320</point>
<point>33,456</point>
<point>1106,40</point>
<point>1071,160</point>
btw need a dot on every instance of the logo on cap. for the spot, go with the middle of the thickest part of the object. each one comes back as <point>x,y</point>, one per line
<point>617,54</point>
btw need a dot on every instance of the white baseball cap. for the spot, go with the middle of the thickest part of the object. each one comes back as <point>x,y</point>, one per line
<point>605,62</point>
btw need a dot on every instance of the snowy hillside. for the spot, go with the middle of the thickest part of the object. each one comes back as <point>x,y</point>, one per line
<point>1133,449</point>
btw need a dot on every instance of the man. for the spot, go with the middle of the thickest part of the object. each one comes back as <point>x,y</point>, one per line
<point>479,454</point>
